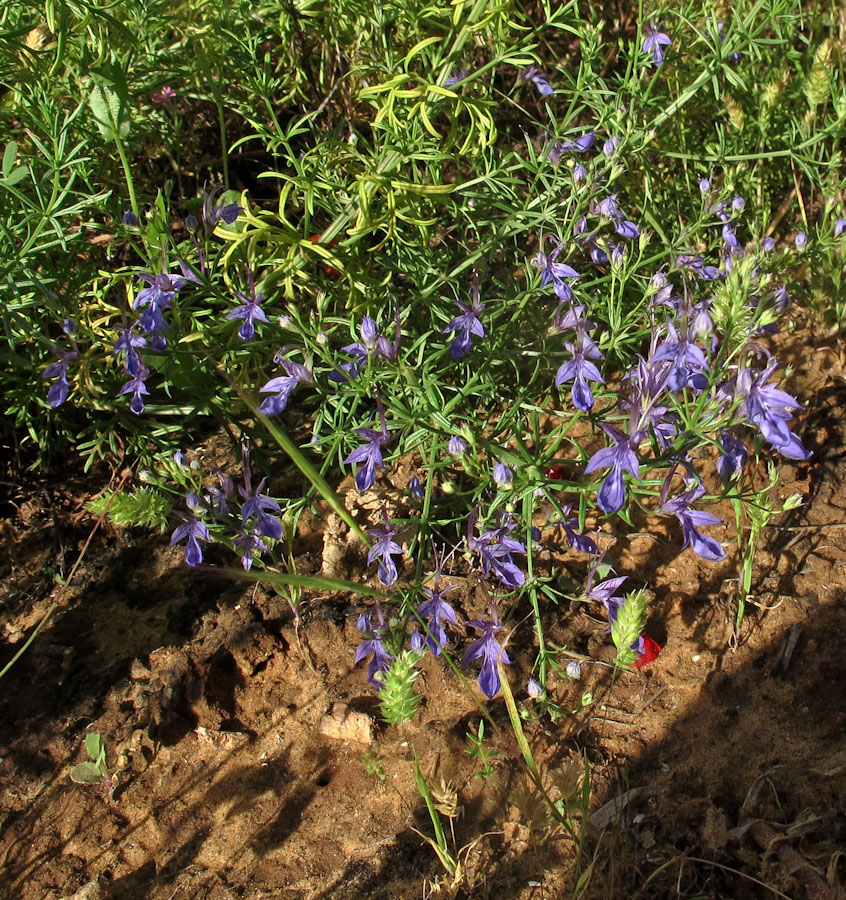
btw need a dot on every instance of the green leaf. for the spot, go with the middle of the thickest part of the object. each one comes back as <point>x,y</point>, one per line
<point>86,773</point>
<point>107,109</point>
<point>14,177</point>
<point>95,745</point>
<point>9,155</point>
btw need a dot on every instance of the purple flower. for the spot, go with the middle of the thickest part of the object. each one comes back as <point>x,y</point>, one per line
<point>214,213</point>
<point>455,79</point>
<point>384,550</point>
<point>534,688</point>
<point>698,265</point>
<point>487,647</point>
<point>768,245</point>
<point>801,241</point>
<point>137,388</point>
<point>371,452</point>
<point>218,497</point>
<point>590,240</point>
<point>250,310</point>
<point>580,145</point>
<point>373,645</point>
<point>553,272</point>
<point>687,363</point>
<point>435,611</point>
<point>129,343</point>
<point>580,369</point>
<point>533,74</point>
<point>576,540</point>
<point>258,504</point>
<point>467,324</point>
<point>608,209</point>
<point>620,457</point>
<point>691,519</point>
<point>768,409</point>
<point>248,542</point>
<point>732,459</point>
<point>604,592</point>
<point>579,174</point>
<point>193,529</point>
<point>282,386</point>
<point>60,388</point>
<point>839,226</point>
<point>157,297</point>
<point>654,43</point>
<point>647,384</point>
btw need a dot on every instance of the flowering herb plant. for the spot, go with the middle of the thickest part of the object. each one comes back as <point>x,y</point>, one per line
<point>518,289</point>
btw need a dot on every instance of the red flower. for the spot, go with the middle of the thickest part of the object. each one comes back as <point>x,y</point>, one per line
<point>649,653</point>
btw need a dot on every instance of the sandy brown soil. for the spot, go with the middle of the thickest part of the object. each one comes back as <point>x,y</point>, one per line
<point>233,783</point>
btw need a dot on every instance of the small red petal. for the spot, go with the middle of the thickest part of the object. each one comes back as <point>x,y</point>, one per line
<point>651,650</point>
<point>555,473</point>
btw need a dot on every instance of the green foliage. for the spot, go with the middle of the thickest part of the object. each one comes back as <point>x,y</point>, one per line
<point>142,507</point>
<point>95,771</point>
<point>485,756</point>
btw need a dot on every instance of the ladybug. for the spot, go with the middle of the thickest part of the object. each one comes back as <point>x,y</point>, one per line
<point>555,473</point>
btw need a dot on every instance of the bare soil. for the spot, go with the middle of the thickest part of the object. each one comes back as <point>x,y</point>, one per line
<point>251,761</point>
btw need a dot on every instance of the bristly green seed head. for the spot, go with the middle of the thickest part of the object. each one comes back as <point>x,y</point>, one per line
<point>397,699</point>
<point>627,628</point>
<point>818,85</point>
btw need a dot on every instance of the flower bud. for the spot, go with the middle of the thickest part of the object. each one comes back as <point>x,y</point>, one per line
<point>457,445</point>
<point>369,333</point>
<point>609,148</point>
<point>574,669</point>
<point>503,475</point>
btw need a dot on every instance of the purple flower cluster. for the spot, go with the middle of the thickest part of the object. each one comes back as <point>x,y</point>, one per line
<point>372,344</point>
<point>496,549</point>
<point>246,530</point>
